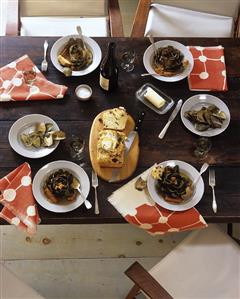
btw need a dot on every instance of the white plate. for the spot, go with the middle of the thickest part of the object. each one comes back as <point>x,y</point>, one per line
<point>192,173</point>
<point>46,171</point>
<point>94,47</point>
<point>196,102</point>
<point>27,124</point>
<point>148,58</point>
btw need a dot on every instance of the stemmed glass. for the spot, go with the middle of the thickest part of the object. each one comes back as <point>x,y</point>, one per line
<point>29,76</point>
<point>76,146</point>
<point>127,60</point>
<point>203,146</point>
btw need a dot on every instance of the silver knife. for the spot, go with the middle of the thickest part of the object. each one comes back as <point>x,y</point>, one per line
<point>171,118</point>
<point>128,144</point>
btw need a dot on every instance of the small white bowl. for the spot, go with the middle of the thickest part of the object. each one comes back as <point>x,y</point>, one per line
<point>83,92</point>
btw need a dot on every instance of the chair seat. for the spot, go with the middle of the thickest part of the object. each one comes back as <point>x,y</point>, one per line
<point>171,21</point>
<point>204,265</point>
<point>61,26</point>
<point>12,287</point>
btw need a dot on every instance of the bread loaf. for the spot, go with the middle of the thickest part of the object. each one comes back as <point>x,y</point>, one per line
<point>110,148</point>
<point>115,119</point>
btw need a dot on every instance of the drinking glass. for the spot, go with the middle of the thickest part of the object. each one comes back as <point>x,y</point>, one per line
<point>29,76</point>
<point>76,145</point>
<point>203,146</point>
<point>127,60</point>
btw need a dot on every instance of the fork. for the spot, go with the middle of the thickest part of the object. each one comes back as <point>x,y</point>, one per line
<point>212,184</point>
<point>95,185</point>
<point>44,65</point>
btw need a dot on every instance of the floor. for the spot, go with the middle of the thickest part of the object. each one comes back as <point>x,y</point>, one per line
<point>81,261</point>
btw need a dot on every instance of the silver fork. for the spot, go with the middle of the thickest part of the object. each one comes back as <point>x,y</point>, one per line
<point>212,184</point>
<point>95,185</point>
<point>44,65</point>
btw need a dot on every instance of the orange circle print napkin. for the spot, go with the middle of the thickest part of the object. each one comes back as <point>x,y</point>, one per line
<point>139,209</point>
<point>15,87</point>
<point>209,70</point>
<point>17,198</point>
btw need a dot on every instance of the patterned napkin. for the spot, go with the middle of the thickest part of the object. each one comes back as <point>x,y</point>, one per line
<point>14,88</point>
<point>18,201</point>
<point>138,208</point>
<point>209,70</point>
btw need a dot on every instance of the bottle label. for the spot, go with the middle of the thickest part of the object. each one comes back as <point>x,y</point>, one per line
<point>104,83</point>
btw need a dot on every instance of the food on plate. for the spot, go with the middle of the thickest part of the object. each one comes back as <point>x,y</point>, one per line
<point>110,148</point>
<point>172,184</point>
<point>43,135</point>
<point>154,98</point>
<point>206,117</point>
<point>75,55</point>
<point>60,186</point>
<point>115,119</point>
<point>169,61</point>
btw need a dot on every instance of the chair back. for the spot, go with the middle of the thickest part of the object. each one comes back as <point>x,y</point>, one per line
<point>79,8</point>
<point>168,21</point>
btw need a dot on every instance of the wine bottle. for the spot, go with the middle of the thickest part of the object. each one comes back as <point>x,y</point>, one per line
<point>108,70</point>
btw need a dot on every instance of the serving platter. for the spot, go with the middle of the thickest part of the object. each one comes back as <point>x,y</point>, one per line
<point>192,174</point>
<point>148,58</point>
<point>91,43</point>
<point>198,101</point>
<point>130,162</point>
<point>26,124</point>
<point>45,172</point>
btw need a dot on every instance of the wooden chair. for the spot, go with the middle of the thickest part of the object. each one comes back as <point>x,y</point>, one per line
<point>59,17</point>
<point>203,19</point>
<point>11,287</point>
<point>206,264</point>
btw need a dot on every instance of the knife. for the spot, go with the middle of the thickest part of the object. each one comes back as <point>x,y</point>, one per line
<point>128,144</point>
<point>171,118</point>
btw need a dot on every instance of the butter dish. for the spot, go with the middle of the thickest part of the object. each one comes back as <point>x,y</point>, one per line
<point>141,92</point>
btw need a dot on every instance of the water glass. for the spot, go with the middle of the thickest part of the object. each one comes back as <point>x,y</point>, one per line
<point>76,145</point>
<point>203,146</point>
<point>127,60</point>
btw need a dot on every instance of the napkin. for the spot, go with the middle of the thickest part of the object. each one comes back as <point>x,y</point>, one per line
<point>14,88</point>
<point>209,70</point>
<point>138,208</point>
<point>18,201</point>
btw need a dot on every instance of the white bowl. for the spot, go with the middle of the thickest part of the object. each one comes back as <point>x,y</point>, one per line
<point>94,47</point>
<point>27,124</point>
<point>42,175</point>
<point>148,58</point>
<point>185,205</point>
<point>198,101</point>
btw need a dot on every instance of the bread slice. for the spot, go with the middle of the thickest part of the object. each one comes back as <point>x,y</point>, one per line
<point>115,119</point>
<point>110,148</point>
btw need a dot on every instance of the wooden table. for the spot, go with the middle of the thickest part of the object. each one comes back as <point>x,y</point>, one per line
<point>76,117</point>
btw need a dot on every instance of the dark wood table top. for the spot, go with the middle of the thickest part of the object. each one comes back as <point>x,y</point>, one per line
<point>76,117</point>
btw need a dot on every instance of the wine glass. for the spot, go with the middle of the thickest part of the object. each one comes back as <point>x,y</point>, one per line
<point>203,146</point>
<point>29,76</point>
<point>127,60</point>
<point>76,146</point>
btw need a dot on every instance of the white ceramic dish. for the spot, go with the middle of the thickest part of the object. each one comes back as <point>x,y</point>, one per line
<point>46,171</point>
<point>148,58</point>
<point>26,124</point>
<point>192,173</point>
<point>196,102</point>
<point>94,47</point>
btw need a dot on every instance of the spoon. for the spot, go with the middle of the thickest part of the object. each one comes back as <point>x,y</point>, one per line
<point>76,185</point>
<point>149,74</point>
<point>79,31</point>
<point>152,42</point>
<point>202,170</point>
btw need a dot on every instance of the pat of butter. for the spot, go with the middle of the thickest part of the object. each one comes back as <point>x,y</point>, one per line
<point>154,98</point>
